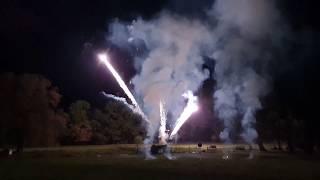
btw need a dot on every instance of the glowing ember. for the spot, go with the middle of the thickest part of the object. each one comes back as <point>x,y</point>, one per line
<point>226,157</point>
<point>192,106</point>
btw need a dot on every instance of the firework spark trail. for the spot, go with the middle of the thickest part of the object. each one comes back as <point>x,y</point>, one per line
<point>192,106</point>
<point>105,60</point>
<point>120,99</point>
<point>163,136</point>
<point>124,101</point>
<point>163,122</point>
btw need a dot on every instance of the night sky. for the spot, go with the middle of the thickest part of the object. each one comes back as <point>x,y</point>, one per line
<point>60,38</point>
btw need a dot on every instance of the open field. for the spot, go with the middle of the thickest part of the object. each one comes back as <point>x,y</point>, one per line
<point>122,162</point>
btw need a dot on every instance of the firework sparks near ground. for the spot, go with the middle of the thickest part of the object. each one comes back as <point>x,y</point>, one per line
<point>192,106</point>
<point>105,60</point>
<point>163,122</point>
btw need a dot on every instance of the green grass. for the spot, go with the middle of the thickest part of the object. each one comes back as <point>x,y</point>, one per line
<point>120,162</point>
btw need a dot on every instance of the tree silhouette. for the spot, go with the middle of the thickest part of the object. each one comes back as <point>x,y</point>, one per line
<point>29,114</point>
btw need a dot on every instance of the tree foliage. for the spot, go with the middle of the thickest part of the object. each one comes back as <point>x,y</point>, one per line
<point>29,113</point>
<point>80,124</point>
<point>116,123</point>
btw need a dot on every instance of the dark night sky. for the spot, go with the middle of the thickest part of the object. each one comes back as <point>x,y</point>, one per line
<point>57,38</point>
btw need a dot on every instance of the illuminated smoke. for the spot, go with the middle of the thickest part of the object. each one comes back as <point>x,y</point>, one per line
<point>246,30</point>
<point>168,60</point>
<point>169,51</point>
<point>191,107</point>
<point>105,60</point>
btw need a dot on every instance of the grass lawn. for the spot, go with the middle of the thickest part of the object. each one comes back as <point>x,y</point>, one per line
<point>98,163</point>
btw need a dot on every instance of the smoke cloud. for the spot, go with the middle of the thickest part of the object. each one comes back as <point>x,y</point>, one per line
<point>169,55</point>
<point>245,30</point>
<point>173,64</point>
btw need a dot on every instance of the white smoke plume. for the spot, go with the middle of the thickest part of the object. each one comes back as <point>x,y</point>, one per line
<point>245,30</point>
<point>173,64</point>
<point>235,33</point>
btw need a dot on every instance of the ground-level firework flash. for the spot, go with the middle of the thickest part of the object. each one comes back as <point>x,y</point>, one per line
<point>192,106</point>
<point>163,122</point>
<point>105,60</point>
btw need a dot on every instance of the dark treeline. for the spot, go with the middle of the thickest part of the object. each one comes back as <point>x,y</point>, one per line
<point>30,116</point>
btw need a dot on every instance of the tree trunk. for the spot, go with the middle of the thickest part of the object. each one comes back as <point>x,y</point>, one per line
<point>19,140</point>
<point>291,147</point>
<point>261,146</point>
<point>279,144</point>
<point>309,136</point>
<point>309,142</point>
